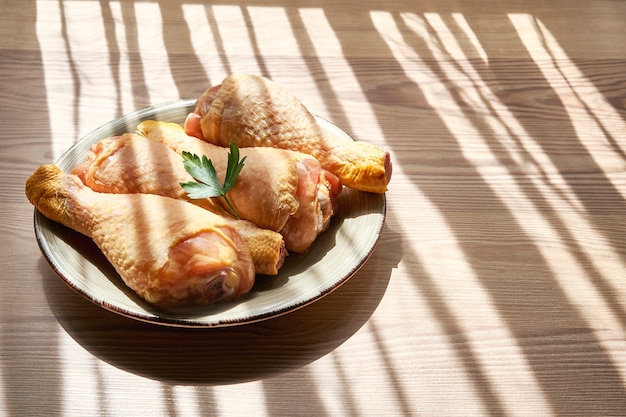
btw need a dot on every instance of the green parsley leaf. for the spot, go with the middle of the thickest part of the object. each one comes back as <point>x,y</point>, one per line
<point>234,167</point>
<point>208,185</point>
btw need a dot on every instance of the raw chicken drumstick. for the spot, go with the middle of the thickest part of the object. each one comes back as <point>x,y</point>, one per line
<point>254,111</point>
<point>133,164</point>
<point>277,189</point>
<point>170,252</point>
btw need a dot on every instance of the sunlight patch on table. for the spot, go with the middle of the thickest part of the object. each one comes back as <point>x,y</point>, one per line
<point>462,23</point>
<point>77,358</point>
<point>347,88</point>
<point>361,377</point>
<point>59,31</point>
<point>3,400</point>
<point>104,389</point>
<point>480,155</point>
<point>598,125</point>
<point>282,63</point>
<point>79,389</point>
<point>231,24</point>
<point>185,400</point>
<point>573,280</point>
<point>330,377</point>
<point>125,97</point>
<point>157,72</point>
<point>204,43</point>
<point>228,399</point>
<point>529,157</point>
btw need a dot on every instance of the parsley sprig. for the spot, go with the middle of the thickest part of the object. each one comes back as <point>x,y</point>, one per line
<point>207,184</point>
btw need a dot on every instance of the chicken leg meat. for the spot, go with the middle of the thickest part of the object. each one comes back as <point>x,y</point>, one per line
<point>170,252</point>
<point>255,111</point>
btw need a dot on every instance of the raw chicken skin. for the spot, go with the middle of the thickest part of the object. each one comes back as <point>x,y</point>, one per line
<point>133,164</point>
<point>254,111</point>
<point>277,189</point>
<point>170,252</point>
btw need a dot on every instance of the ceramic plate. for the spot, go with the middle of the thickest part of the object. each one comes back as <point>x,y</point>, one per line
<point>304,278</point>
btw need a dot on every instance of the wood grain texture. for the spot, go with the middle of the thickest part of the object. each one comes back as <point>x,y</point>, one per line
<point>498,284</point>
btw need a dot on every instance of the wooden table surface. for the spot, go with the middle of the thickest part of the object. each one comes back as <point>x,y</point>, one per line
<point>498,286</point>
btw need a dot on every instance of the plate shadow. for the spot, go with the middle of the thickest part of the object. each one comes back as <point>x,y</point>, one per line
<point>226,355</point>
